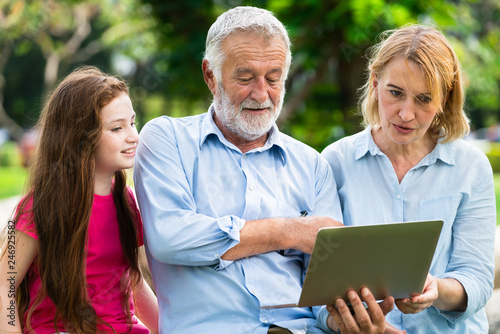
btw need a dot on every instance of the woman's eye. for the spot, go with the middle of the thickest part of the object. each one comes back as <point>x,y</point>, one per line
<point>133,124</point>
<point>425,99</point>
<point>116,129</point>
<point>395,93</point>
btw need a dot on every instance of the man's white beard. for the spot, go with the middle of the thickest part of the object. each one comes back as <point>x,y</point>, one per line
<point>244,124</point>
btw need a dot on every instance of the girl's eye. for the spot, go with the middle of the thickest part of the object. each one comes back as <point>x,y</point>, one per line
<point>395,93</point>
<point>133,124</point>
<point>116,129</point>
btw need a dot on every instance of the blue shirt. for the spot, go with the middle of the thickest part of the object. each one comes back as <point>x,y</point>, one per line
<point>453,183</point>
<point>195,191</point>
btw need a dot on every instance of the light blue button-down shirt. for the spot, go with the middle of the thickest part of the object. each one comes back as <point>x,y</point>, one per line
<point>453,183</point>
<point>195,191</point>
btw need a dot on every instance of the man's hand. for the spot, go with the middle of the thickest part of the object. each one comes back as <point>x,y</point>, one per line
<point>420,302</point>
<point>301,232</point>
<point>364,320</point>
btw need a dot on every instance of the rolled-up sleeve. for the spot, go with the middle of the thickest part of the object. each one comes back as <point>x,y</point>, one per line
<point>174,230</point>
<point>472,258</point>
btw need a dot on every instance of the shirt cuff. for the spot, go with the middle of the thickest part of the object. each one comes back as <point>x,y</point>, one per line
<point>232,226</point>
<point>321,320</point>
<point>471,291</point>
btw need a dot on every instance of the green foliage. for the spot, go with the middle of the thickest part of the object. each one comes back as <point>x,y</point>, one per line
<point>182,27</point>
<point>476,40</point>
<point>9,155</point>
<point>330,42</point>
<point>158,46</point>
<point>156,106</point>
<point>70,33</point>
<point>12,180</point>
<point>494,156</point>
<point>330,39</point>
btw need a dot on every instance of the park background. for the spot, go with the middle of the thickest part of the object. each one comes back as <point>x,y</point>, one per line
<point>157,47</point>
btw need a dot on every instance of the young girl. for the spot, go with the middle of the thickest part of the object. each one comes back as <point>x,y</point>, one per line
<point>72,251</point>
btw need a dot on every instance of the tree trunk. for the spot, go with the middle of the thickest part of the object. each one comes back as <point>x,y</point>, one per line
<point>15,130</point>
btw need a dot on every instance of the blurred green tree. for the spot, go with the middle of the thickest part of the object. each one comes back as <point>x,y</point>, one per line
<point>475,34</point>
<point>42,41</point>
<point>329,38</point>
<point>158,45</point>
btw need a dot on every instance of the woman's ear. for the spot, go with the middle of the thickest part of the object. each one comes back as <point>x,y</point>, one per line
<point>446,98</point>
<point>374,82</point>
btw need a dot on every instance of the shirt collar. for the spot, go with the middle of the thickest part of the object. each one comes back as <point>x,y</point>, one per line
<point>208,128</point>
<point>365,144</point>
<point>444,152</point>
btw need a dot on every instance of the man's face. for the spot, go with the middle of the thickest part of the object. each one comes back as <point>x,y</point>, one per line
<point>249,97</point>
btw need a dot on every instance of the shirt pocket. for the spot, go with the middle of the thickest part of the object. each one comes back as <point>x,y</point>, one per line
<point>441,208</point>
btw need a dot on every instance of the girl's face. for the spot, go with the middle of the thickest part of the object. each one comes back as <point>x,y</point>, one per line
<point>119,138</point>
<point>405,105</point>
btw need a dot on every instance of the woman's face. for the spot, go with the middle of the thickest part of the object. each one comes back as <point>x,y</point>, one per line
<point>405,105</point>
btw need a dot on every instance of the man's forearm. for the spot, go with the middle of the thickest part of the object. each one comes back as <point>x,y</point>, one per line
<point>258,237</point>
<point>267,235</point>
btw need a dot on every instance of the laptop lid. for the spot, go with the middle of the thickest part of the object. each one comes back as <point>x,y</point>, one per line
<point>390,259</point>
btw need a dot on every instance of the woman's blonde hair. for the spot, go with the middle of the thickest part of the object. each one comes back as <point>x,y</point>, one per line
<point>429,49</point>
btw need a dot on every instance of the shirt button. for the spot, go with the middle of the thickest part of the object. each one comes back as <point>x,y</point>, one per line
<point>398,196</point>
<point>251,188</point>
<point>245,156</point>
<point>217,256</point>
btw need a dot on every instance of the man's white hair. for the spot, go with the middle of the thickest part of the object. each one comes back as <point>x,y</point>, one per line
<point>243,19</point>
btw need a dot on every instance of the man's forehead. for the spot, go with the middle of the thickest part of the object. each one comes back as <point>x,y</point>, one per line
<point>241,39</point>
<point>247,70</point>
<point>264,36</point>
<point>242,48</point>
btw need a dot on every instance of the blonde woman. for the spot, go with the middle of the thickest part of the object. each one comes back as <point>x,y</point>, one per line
<point>411,164</point>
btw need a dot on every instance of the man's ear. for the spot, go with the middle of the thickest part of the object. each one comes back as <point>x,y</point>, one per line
<point>209,77</point>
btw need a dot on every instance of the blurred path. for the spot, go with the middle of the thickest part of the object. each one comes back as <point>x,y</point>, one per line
<point>493,305</point>
<point>7,207</point>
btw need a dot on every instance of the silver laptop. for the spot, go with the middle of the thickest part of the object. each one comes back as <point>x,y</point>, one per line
<point>390,259</point>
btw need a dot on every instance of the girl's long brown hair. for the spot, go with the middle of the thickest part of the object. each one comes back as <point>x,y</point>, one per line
<point>61,184</point>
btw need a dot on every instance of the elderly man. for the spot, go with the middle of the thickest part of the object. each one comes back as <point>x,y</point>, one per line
<point>222,194</point>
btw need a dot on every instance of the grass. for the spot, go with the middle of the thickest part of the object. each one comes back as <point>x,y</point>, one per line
<point>11,181</point>
<point>496,179</point>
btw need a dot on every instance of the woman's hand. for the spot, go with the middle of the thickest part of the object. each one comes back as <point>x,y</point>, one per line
<point>364,320</point>
<point>390,329</point>
<point>422,301</point>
